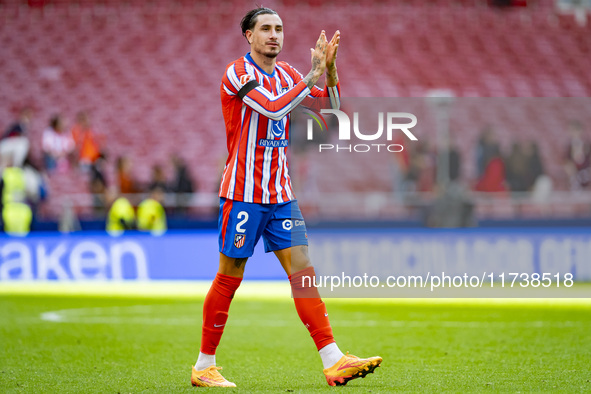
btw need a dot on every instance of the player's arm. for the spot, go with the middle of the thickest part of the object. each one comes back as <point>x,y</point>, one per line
<point>332,78</point>
<point>318,61</point>
<point>332,88</point>
<point>238,82</point>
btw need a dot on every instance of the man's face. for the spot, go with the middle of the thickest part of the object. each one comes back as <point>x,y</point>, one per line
<point>266,38</point>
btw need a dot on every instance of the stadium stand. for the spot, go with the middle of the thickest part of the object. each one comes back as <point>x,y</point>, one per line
<point>149,72</point>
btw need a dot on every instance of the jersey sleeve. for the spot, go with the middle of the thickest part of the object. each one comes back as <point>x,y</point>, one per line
<point>240,80</point>
<point>333,93</point>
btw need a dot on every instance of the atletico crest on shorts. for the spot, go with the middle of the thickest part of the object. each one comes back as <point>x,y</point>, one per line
<point>239,240</point>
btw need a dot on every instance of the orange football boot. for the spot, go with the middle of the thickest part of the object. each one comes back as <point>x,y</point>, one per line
<point>350,367</point>
<point>209,377</point>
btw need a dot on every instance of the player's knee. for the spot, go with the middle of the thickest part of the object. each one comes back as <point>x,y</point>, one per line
<point>232,266</point>
<point>300,259</point>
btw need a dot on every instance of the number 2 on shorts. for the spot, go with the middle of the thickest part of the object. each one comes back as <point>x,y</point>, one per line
<point>241,214</point>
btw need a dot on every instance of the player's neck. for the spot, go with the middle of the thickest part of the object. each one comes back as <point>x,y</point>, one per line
<point>264,62</point>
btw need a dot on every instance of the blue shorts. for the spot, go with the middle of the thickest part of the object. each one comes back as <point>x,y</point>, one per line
<point>241,225</point>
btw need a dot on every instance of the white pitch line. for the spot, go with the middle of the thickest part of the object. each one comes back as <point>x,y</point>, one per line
<point>265,290</point>
<point>142,315</point>
<point>250,289</point>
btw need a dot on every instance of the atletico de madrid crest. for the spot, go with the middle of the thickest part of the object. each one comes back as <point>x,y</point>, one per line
<point>239,240</point>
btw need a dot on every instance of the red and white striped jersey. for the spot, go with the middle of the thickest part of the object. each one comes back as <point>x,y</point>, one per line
<point>256,107</point>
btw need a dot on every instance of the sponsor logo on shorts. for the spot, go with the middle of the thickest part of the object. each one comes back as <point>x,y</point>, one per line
<point>239,240</point>
<point>288,224</point>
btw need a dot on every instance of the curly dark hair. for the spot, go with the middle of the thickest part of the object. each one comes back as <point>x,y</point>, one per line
<point>250,19</point>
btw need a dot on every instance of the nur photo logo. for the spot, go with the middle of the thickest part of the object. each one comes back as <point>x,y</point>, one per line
<point>388,124</point>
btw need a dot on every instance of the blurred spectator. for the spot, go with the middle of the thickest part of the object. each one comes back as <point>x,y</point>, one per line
<point>86,142</point>
<point>68,221</point>
<point>98,186</point>
<point>413,171</point>
<point>517,169</point>
<point>57,145</point>
<point>36,183</point>
<point>17,218</point>
<point>12,182</point>
<point>15,141</point>
<point>453,207</point>
<point>125,180</point>
<point>419,176</point>
<point>578,158</point>
<point>493,178</point>
<point>426,167</point>
<point>455,163</point>
<point>182,184</point>
<point>453,160</point>
<point>121,217</point>
<point>487,147</point>
<point>535,167</point>
<point>158,180</point>
<point>399,166</point>
<point>538,182</point>
<point>16,215</point>
<point>150,213</point>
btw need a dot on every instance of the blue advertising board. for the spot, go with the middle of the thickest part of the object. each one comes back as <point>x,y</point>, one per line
<point>133,256</point>
<point>194,255</point>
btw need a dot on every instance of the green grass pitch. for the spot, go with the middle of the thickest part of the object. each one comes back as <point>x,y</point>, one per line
<point>130,344</point>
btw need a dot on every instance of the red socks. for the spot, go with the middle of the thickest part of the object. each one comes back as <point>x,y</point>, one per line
<point>310,307</point>
<point>215,310</point>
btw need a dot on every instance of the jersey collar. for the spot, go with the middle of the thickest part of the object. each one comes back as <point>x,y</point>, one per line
<point>250,60</point>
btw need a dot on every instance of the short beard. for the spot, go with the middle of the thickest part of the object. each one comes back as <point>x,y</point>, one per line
<point>271,55</point>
